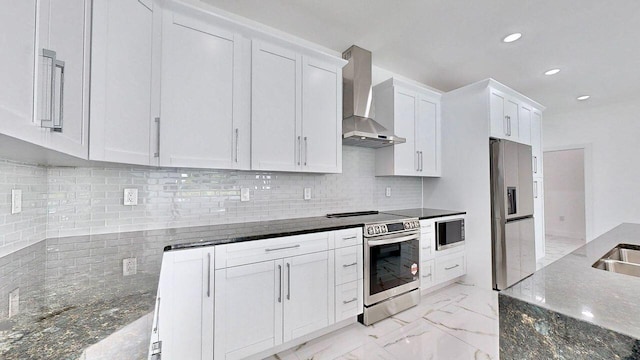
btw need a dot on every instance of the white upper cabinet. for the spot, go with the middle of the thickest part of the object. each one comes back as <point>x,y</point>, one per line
<point>321,116</point>
<point>296,109</point>
<point>122,120</point>
<point>62,88</point>
<point>276,116</point>
<point>18,28</point>
<point>413,113</point>
<point>505,122</point>
<point>205,95</point>
<point>536,143</point>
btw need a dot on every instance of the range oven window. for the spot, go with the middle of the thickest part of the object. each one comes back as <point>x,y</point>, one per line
<point>449,233</point>
<point>391,265</point>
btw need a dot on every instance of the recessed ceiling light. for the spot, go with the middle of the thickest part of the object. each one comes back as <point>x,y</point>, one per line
<point>511,38</point>
<point>552,72</point>
<point>583,97</point>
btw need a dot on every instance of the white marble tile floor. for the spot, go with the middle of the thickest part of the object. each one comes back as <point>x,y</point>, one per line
<point>456,322</point>
<point>557,247</point>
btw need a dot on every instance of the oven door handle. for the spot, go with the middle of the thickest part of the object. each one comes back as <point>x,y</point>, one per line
<point>393,240</point>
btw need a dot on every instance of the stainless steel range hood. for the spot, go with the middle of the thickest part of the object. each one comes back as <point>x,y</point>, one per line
<point>358,128</point>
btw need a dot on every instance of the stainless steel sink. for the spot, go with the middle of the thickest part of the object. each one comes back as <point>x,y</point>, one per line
<point>622,259</point>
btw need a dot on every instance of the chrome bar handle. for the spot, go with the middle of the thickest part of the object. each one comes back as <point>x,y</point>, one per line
<point>208,274</point>
<point>421,161</point>
<point>505,125</point>
<point>509,124</point>
<point>306,150</point>
<point>58,127</point>
<point>452,267</point>
<point>288,281</point>
<point>237,146</point>
<point>283,248</point>
<point>349,265</point>
<point>350,301</point>
<point>350,237</point>
<point>418,160</point>
<point>535,189</point>
<point>50,54</point>
<point>157,327</point>
<point>157,153</point>
<point>535,164</point>
<point>280,282</point>
<point>299,150</point>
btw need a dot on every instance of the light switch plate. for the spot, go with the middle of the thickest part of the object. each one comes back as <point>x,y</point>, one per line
<point>14,302</point>
<point>129,266</point>
<point>131,196</point>
<point>16,201</point>
<point>307,193</point>
<point>244,194</point>
<point>387,191</point>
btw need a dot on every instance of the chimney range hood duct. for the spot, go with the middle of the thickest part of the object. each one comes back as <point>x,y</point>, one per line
<point>358,128</point>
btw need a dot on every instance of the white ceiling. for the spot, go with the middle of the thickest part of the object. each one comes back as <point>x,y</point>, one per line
<point>451,43</point>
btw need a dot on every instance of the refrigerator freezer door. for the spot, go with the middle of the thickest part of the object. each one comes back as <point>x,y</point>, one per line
<point>525,180</point>
<point>515,170</point>
<point>514,252</point>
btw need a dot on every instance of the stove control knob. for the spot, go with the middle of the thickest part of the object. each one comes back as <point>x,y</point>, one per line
<point>416,224</point>
<point>383,229</point>
<point>377,229</point>
<point>406,226</point>
<point>370,230</point>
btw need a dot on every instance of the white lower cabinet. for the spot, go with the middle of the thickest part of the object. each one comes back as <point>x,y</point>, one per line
<point>449,267</point>
<point>538,216</point>
<point>427,277</point>
<point>349,301</point>
<point>183,322</point>
<point>438,267</point>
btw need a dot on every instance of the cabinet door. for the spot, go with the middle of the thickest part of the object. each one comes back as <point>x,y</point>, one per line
<point>513,120</point>
<point>65,29</point>
<point>308,294</point>
<point>524,127</point>
<point>276,140</point>
<point>427,136</point>
<point>121,81</point>
<point>248,309</point>
<point>536,143</point>
<point>406,158</point>
<point>538,217</point>
<point>185,318</point>
<point>498,126</point>
<point>18,26</point>
<point>201,94</point>
<point>321,117</point>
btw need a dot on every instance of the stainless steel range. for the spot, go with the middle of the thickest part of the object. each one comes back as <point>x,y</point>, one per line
<point>391,271</point>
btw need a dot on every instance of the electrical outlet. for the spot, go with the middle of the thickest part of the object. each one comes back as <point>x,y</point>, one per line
<point>129,266</point>
<point>14,302</point>
<point>387,191</point>
<point>244,194</point>
<point>131,196</point>
<point>307,193</point>
<point>16,201</point>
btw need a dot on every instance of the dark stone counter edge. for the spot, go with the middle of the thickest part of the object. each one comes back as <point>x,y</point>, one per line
<point>528,331</point>
<point>267,235</point>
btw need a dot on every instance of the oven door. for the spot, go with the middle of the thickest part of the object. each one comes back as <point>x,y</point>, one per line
<point>391,266</point>
<point>449,233</point>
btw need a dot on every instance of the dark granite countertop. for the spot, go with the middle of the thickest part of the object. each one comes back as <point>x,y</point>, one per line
<point>230,233</point>
<point>572,287</point>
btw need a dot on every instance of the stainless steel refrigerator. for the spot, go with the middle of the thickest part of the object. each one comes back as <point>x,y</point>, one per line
<point>512,227</point>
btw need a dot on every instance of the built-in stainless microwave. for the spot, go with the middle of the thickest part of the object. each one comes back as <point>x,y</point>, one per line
<point>449,233</point>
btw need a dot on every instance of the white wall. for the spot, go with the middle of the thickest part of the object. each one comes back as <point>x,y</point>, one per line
<point>612,168</point>
<point>564,199</point>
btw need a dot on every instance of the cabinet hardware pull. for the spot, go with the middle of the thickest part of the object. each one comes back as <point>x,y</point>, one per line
<point>535,164</point>
<point>418,159</point>
<point>288,281</point>
<point>350,237</point>
<point>421,161</point>
<point>58,127</point>
<point>51,55</point>
<point>208,274</point>
<point>280,283</point>
<point>284,248</point>
<point>348,265</point>
<point>349,301</point>
<point>237,146</point>
<point>509,123</point>
<point>157,153</point>
<point>452,267</point>
<point>157,327</point>
<point>299,150</point>
<point>535,189</point>
<point>306,150</point>
<point>428,275</point>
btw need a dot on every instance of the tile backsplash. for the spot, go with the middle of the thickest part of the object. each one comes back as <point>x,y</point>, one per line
<point>89,200</point>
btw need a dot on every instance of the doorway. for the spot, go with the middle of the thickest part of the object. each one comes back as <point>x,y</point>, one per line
<point>564,202</point>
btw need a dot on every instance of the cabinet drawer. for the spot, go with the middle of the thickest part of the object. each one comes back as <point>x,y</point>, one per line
<point>348,237</point>
<point>249,252</point>
<point>450,267</point>
<point>349,300</point>
<point>427,274</point>
<point>427,226</point>
<point>348,264</point>
<point>427,246</point>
